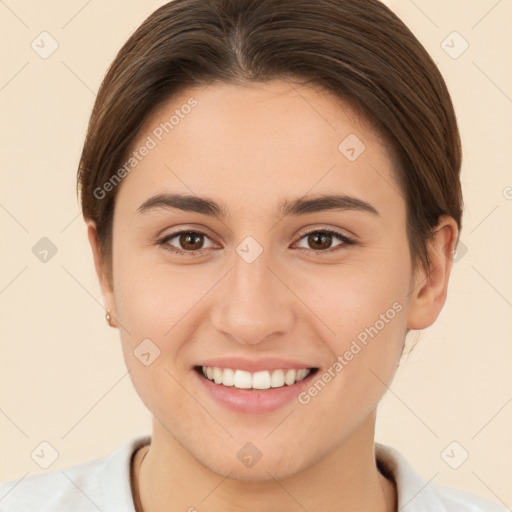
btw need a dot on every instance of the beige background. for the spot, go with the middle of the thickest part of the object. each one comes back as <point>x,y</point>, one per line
<point>62,374</point>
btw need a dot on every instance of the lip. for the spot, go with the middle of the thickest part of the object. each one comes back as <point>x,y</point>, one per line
<point>252,401</point>
<point>252,365</point>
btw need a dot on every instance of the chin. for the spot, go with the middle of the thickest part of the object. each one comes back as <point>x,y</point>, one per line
<point>270,464</point>
<point>262,471</point>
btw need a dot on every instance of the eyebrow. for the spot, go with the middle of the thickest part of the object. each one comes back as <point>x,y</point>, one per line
<point>300,206</point>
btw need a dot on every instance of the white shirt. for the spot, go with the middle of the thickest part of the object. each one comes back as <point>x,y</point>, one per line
<point>104,485</point>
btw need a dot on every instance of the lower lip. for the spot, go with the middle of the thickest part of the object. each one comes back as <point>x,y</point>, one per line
<point>253,401</point>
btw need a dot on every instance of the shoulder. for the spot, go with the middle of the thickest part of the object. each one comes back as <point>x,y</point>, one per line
<point>99,484</point>
<point>416,494</point>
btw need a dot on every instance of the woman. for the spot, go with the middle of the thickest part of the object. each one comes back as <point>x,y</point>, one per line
<point>272,196</point>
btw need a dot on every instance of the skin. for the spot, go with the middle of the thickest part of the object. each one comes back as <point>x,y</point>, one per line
<point>249,147</point>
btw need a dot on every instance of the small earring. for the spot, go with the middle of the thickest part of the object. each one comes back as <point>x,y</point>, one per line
<point>108,317</point>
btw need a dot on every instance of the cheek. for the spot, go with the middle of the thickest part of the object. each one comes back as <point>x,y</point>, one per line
<point>159,307</point>
<point>355,298</point>
<point>367,310</point>
<point>154,298</point>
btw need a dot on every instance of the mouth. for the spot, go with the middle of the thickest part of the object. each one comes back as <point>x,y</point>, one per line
<point>263,380</point>
<point>252,385</point>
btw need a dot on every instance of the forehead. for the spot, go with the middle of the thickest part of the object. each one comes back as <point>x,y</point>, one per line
<point>254,142</point>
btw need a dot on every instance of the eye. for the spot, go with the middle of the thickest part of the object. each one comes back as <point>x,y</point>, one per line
<point>321,240</point>
<point>192,242</point>
<point>189,242</point>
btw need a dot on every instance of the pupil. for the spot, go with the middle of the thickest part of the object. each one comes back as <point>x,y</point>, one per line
<point>188,239</point>
<point>322,237</point>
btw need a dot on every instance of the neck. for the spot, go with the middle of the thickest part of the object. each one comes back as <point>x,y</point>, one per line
<point>347,479</point>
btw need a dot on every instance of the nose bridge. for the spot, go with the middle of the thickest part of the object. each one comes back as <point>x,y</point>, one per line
<point>252,303</point>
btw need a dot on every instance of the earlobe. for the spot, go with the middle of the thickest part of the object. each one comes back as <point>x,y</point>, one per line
<point>430,286</point>
<point>105,283</point>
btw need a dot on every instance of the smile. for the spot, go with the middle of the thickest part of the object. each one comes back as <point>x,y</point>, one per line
<point>250,385</point>
<point>265,379</point>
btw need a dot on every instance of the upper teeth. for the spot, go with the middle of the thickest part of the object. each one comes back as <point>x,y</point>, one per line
<point>257,380</point>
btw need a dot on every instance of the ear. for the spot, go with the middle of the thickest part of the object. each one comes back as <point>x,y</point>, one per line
<point>99,264</point>
<point>430,286</point>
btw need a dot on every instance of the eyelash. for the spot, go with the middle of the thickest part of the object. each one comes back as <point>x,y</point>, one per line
<point>346,241</point>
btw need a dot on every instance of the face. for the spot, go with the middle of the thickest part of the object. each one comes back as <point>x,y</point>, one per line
<point>274,276</point>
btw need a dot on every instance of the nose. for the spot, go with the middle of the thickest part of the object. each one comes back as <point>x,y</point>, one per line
<point>253,304</point>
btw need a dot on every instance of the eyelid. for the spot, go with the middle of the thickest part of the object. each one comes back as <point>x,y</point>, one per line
<point>195,228</point>
<point>321,227</point>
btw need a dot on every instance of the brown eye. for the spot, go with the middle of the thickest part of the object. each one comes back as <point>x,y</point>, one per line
<point>321,240</point>
<point>191,241</point>
<point>185,242</point>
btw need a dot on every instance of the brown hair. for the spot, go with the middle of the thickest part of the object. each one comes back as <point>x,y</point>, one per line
<point>357,49</point>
